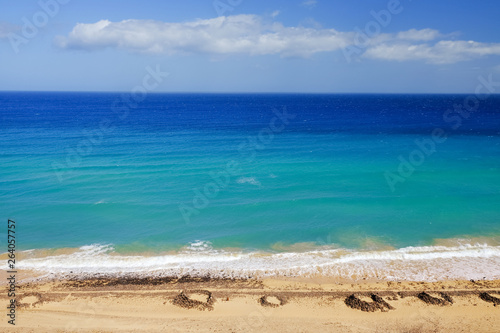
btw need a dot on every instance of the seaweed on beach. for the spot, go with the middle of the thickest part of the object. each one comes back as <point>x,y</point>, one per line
<point>115,281</point>
<point>108,281</point>
<point>488,298</point>
<point>445,300</point>
<point>379,300</point>
<point>377,304</point>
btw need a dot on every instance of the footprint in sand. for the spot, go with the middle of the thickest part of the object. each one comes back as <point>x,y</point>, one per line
<point>196,299</point>
<point>30,300</point>
<point>272,301</point>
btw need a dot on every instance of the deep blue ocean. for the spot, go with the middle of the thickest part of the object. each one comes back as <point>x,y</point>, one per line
<point>232,183</point>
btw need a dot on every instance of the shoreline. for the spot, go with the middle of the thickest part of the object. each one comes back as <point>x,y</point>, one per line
<point>251,305</point>
<point>428,263</point>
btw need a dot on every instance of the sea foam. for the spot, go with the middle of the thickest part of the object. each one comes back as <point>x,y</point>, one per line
<point>428,263</point>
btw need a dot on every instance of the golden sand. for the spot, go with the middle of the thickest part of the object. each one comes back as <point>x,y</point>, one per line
<point>289,305</point>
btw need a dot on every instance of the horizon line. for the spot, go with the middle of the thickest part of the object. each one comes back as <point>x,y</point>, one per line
<point>240,92</point>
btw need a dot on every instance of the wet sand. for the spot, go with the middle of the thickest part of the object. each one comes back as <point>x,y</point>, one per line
<point>286,305</point>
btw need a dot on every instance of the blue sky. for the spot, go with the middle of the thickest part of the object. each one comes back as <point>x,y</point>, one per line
<point>333,46</point>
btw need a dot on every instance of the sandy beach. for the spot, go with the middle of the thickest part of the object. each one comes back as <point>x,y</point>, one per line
<point>274,305</point>
<point>233,166</point>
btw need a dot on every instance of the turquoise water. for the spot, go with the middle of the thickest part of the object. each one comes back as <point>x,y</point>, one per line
<point>215,174</point>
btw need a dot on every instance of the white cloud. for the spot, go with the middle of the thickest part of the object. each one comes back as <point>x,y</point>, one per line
<point>249,34</point>
<point>245,34</point>
<point>418,35</point>
<point>442,52</point>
